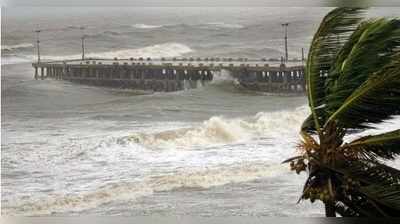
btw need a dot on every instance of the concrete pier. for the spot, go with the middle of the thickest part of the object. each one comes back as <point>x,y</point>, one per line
<point>177,74</point>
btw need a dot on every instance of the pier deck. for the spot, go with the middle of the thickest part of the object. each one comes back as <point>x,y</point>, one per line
<point>176,74</point>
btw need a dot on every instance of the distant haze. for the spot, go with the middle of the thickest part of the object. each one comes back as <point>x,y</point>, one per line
<point>269,3</point>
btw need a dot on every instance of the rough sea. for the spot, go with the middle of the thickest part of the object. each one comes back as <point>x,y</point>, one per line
<point>70,149</point>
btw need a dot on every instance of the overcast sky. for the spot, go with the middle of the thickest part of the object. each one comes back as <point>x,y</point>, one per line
<point>198,2</point>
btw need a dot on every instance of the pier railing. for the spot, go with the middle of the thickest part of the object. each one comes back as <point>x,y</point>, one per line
<point>176,73</point>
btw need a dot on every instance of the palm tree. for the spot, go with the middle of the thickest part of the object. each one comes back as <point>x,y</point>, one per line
<point>353,82</point>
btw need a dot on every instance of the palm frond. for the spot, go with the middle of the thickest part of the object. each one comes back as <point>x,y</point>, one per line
<point>377,99</point>
<point>369,172</point>
<point>334,31</point>
<point>359,205</point>
<point>385,146</point>
<point>345,211</point>
<point>353,79</point>
<point>371,54</point>
<point>309,125</point>
<point>336,69</point>
<point>386,196</point>
<point>378,193</point>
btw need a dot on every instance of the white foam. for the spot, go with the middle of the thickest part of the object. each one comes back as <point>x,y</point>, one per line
<point>146,26</point>
<point>204,178</point>
<point>220,130</point>
<point>8,60</point>
<point>225,25</point>
<point>154,51</point>
<point>223,76</point>
<point>16,46</point>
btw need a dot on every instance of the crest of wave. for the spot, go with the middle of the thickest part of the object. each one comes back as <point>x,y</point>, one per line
<point>154,51</point>
<point>125,191</point>
<point>220,130</point>
<point>225,25</point>
<point>16,46</point>
<point>223,76</point>
<point>146,26</point>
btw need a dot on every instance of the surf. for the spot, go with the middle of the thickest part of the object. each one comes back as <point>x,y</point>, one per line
<point>220,130</point>
<point>170,49</point>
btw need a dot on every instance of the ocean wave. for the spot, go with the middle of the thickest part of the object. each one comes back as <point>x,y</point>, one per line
<point>220,130</point>
<point>214,25</point>
<point>223,77</point>
<point>204,178</point>
<point>13,59</point>
<point>154,51</point>
<point>146,26</point>
<point>16,46</point>
<point>224,25</point>
<point>107,32</point>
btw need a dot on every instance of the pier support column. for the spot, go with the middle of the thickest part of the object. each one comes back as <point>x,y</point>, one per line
<point>166,80</point>
<point>36,73</point>
<point>96,72</point>
<point>285,80</point>
<point>58,73</point>
<point>47,74</point>
<point>42,73</point>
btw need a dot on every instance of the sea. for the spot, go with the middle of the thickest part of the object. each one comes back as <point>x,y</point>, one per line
<point>70,149</point>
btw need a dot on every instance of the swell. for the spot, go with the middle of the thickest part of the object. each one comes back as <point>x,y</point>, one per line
<point>14,47</point>
<point>220,130</point>
<point>170,49</point>
<point>126,191</point>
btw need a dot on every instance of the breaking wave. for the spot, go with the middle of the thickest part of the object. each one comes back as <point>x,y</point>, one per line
<point>12,59</point>
<point>206,178</point>
<point>154,51</point>
<point>146,26</point>
<point>220,130</point>
<point>16,46</point>
<point>224,25</point>
<point>222,77</point>
<point>218,25</point>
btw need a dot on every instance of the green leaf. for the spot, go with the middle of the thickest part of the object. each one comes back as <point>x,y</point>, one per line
<point>346,211</point>
<point>371,54</point>
<point>334,30</point>
<point>369,172</point>
<point>309,125</point>
<point>380,187</point>
<point>388,196</point>
<point>385,145</point>
<point>377,99</point>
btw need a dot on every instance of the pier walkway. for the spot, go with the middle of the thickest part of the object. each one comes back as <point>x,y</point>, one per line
<point>164,75</point>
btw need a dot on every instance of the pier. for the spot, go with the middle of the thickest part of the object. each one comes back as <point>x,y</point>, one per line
<point>166,75</point>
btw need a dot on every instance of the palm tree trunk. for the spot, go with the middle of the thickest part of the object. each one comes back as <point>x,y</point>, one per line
<point>330,209</point>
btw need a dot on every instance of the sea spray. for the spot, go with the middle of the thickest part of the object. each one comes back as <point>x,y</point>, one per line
<point>154,51</point>
<point>16,46</point>
<point>146,26</point>
<point>205,178</point>
<point>224,25</point>
<point>222,76</point>
<point>220,130</point>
